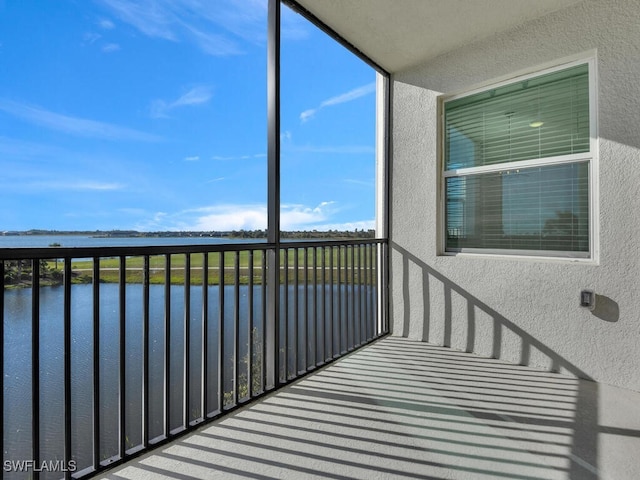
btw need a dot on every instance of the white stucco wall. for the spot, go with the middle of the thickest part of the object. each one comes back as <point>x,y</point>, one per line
<point>524,310</point>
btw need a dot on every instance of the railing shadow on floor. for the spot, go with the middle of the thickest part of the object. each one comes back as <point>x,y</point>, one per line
<point>398,408</point>
<point>584,454</point>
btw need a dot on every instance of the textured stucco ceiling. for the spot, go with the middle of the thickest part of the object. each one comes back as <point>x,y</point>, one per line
<point>397,34</point>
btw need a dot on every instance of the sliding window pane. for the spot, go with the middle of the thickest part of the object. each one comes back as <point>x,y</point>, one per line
<point>542,117</point>
<point>532,209</point>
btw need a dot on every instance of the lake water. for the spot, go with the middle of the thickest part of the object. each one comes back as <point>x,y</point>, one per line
<point>14,241</point>
<point>17,360</point>
<point>17,388</point>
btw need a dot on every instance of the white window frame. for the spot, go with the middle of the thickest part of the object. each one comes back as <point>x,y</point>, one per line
<point>590,157</point>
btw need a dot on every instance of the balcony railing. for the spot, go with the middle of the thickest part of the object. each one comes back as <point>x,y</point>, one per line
<point>108,352</point>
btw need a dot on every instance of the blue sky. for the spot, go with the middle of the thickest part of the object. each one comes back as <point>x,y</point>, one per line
<point>151,115</point>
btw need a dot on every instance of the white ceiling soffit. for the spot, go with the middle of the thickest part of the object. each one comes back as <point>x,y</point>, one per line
<point>397,34</point>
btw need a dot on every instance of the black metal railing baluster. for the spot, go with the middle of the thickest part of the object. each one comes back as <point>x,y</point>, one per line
<point>2,357</point>
<point>285,313</point>
<point>380,289</point>
<point>204,363</point>
<point>263,373</point>
<point>68,431</point>
<point>367,296</point>
<point>347,295</point>
<point>369,290</point>
<point>272,331</point>
<point>375,290</point>
<point>339,300</point>
<point>365,291</point>
<point>122,389</point>
<point>167,346</point>
<point>372,289</point>
<point>35,364</point>
<point>354,293</point>
<point>145,351</point>
<point>379,293</point>
<point>305,336</point>
<point>331,305</point>
<point>236,328</point>
<point>366,264</point>
<point>386,287</point>
<point>363,294</point>
<point>296,315</point>
<point>221,329</point>
<point>322,333</point>
<point>186,360</point>
<point>314,303</point>
<point>384,293</point>
<point>362,336</point>
<point>250,320</point>
<point>96,362</point>
<point>352,299</point>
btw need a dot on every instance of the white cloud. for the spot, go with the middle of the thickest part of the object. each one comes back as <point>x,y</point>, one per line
<point>288,145</point>
<point>301,217</point>
<point>90,38</point>
<point>246,19</point>
<point>197,95</point>
<point>77,185</point>
<point>350,95</point>
<point>155,222</point>
<point>24,149</point>
<point>215,27</point>
<point>152,20</point>
<point>96,186</point>
<point>212,43</point>
<point>363,183</point>
<point>232,217</point>
<point>339,99</point>
<point>221,158</point>
<point>307,114</point>
<point>193,158</point>
<point>73,125</point>
<point>110,48</point>
<point>248,217</point>
<point>106,24</point>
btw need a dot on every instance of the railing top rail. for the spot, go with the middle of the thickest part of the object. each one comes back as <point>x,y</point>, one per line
<point>24,253</point>
<point>328,243</point>
<point>27,253</point>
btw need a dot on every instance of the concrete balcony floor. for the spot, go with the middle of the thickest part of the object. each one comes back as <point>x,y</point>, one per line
<point>405,409</point>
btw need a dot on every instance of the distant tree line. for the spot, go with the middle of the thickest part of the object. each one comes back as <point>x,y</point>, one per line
<point>334,234</point>
<point>300,234</point>
<point>305,234</point>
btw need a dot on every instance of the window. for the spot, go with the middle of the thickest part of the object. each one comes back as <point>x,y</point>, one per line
<point>517,167</point>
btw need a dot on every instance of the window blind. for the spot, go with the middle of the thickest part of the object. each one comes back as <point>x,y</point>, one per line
<point>538,207</point>
<point>542,117</point>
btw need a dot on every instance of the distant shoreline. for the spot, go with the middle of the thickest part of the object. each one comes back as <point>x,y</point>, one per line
<point>257,234</point>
